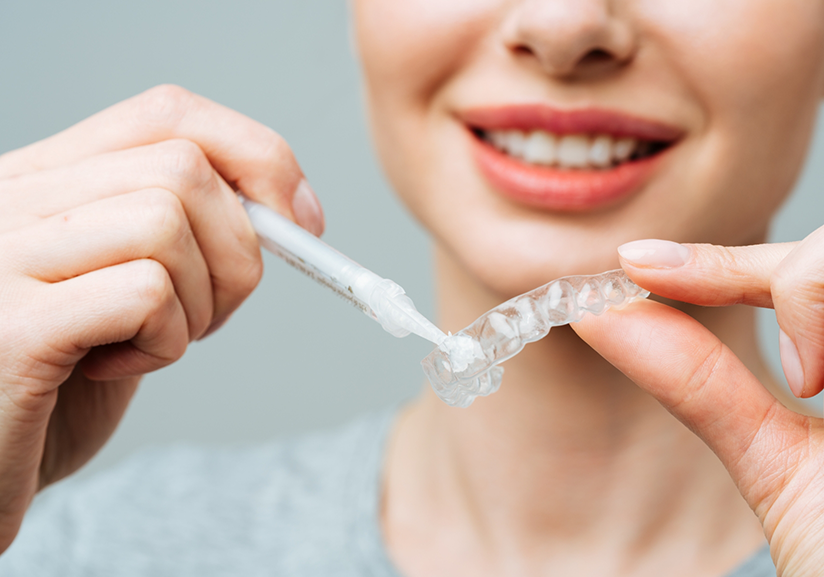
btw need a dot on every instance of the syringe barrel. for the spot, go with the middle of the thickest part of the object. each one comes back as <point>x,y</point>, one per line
<point>311,255</point>
<point>379,298</point>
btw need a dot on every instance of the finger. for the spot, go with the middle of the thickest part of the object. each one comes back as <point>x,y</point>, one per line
<point>798,294</point>
<point>150,224</point>
<point>697,378</point>
<point>246,153</point>
<point>220,225</point>
<point>127,316</point>
<point>788,277</point>
<point>704,274</point>
<point>134,301</point>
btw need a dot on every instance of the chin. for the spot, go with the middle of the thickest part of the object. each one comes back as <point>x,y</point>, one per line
<point>509,258</point>
<point>509,248</point>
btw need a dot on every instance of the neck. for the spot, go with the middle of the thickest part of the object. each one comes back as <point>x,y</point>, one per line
<point>568,464</point>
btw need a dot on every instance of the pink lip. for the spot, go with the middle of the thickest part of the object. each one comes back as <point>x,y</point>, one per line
<point>555,188</point>
<point>584,121</point>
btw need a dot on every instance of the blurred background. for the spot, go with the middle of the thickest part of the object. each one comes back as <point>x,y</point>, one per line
<point>294,357</point>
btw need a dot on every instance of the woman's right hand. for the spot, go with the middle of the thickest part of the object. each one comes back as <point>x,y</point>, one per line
<point>121,241</point>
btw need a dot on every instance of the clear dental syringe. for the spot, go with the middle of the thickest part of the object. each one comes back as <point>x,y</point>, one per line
<point>379,298</point>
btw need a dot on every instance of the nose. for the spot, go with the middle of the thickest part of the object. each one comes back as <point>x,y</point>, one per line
<point>570,37</point>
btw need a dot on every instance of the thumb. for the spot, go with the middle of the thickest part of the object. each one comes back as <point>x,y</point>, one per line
<point>693,375</point>
<point>788,277</point>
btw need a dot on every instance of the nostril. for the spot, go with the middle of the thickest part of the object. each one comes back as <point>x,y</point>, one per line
<point>594,61</point>
<point>523,50</point>
<point>596,56</point>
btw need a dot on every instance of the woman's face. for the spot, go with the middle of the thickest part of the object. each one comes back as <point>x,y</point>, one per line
<point>532,137</point>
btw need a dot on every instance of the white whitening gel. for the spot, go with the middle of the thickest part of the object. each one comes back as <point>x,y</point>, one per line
<point>379,298</point>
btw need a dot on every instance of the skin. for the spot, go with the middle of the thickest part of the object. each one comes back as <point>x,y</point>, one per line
<point>88,307</point>
<point>579,465</point>
<point>774,456</point>
<point>746,133</point>
<point>571,467</point>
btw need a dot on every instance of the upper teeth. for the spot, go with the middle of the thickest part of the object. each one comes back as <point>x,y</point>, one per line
<point>570,151</point>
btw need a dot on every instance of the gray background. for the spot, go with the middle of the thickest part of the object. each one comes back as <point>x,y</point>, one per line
<point>294,357</point>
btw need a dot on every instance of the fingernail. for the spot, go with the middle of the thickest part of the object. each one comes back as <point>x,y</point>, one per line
<point>307,210</point>
<point>791,362</point>
<point>655,253</point>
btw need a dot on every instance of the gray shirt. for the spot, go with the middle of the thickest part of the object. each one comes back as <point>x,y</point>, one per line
<point>306,507</point>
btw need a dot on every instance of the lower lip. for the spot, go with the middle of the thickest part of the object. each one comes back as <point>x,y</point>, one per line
<point>573,190</point>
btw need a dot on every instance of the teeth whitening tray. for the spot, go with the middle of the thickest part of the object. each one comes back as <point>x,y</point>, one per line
<point>464,365</point>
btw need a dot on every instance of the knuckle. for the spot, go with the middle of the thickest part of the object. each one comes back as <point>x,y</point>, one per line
<point>246,236</point>
<point>276,151</point>
<point>172,351</point>
<point>155,286</point>
<point>232,288</point>
<point>176,349</point>
<point>727,259</point>
<point>781,283</point>
<point>164,105</point>
<point>165,214</point>
<point>802,281</point>
<point>184,163</point>
<point>797,290</point>
<point>251,273</point>
<point>244,278</point>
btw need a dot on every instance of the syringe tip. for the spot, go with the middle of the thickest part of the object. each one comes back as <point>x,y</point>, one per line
<point>397,314</point>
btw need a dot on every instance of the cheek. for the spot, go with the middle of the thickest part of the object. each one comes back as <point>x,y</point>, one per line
<point>746,52</point>
<point>409,50</point>
<point>757,69</point>
<point>744,65</point>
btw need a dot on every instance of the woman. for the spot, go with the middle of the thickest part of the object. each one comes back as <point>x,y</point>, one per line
<point>532,138</point>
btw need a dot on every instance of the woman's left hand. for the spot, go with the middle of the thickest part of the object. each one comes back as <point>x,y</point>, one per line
<point>774,455</point>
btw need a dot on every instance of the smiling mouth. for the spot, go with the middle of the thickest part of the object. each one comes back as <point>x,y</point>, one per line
<point>570,151</point>
<point>566,160</point>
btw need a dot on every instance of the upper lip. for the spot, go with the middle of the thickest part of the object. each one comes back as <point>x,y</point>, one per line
<point>529,117</point>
